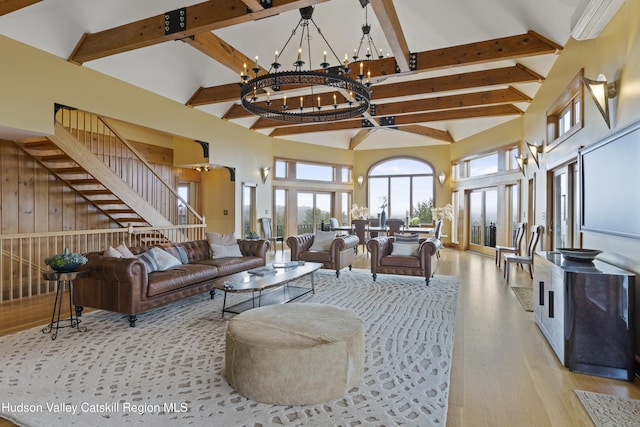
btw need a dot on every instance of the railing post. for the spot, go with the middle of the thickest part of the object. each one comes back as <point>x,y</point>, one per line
<point>130,234</point>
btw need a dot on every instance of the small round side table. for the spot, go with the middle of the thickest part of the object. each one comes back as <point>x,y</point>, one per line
<point>63,279</point>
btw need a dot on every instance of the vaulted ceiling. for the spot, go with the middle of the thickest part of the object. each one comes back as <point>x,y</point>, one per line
<point>448,69</point>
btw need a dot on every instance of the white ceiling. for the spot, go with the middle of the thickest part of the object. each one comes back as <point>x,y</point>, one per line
<point>176,70</point>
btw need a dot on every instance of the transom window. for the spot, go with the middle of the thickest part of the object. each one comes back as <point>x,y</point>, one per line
<point>407,186</point>
<point>565,117</point>
<point>308,171</point>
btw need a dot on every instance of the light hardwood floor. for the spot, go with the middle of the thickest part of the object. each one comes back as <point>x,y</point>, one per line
<point>503,373</point>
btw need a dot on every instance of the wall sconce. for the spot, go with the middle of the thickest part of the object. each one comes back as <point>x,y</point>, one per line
<point>441,177</point>
<point>202,168</point>
<point>360,180</point>
<point>264,173</point>
<point>535,151</point>
<point>601,91</point>
<point>522,161</point>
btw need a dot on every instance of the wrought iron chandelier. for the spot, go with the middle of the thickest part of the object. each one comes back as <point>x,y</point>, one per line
<point>366,38</point>
<point>351,100</point>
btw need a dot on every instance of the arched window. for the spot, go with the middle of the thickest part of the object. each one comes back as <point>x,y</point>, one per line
<point>407,184</point>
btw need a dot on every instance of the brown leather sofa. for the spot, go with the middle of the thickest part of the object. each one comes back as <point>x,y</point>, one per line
<point>123,285</point>
<point>382,261</point>
<point>341,253</point>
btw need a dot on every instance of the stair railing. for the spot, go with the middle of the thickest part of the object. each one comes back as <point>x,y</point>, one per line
<point>22,255</point>
<point>124,160</point>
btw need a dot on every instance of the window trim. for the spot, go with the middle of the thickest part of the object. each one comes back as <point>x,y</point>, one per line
<point>566,102</point>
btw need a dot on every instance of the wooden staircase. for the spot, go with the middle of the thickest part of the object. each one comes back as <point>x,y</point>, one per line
<point>74,164</point>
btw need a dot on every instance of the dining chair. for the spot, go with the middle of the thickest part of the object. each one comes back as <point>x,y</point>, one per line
<point>515,244</point>
<point>394,225</point>
<point>360,229</point>
<point>437,234</point>
<point>267,233</point>
<point>521,260</point>
<point>333,223</point>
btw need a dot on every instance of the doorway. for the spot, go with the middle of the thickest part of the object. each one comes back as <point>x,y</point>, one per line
<point>314,208</point>
<point>483,218</point>
<point>249,220</point>
<point>563,226</point>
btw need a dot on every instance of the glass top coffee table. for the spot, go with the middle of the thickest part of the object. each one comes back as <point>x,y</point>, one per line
<point>268,285</point>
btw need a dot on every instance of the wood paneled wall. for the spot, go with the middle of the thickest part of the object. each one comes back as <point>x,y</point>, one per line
<point>32,200</point>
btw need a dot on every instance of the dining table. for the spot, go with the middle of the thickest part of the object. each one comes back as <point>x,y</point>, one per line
<point>419,230</point>
<point>422,231</point>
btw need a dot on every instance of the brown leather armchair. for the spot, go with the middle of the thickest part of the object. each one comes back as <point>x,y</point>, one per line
<point>422,264</point>
<point>340,254</point>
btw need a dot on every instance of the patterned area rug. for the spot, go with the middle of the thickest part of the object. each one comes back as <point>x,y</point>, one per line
<point>525,296</point>
<point>610,411</point>
<point>168,370</point>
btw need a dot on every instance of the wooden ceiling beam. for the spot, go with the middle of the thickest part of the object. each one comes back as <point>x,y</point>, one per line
<point>254,5</point>
<point>360,137</point>
<point>499,76</point>
<point>202,17</point>
<point>409,119</point>
<point>495,77</point>
<point>489,97</point>
<point>8,6</point>
<point>492,97</point>
<point>440,135</point>
<point>216,48</point>
<point>512,47</point>
<point>463,113</point>
<point>474,79</point>
<point>529,44</point>
<point>236,111</point>
<point>223,93</point>
<point>390,25</point>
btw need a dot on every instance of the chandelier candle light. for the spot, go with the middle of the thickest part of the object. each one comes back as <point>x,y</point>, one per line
<point>351,99</point>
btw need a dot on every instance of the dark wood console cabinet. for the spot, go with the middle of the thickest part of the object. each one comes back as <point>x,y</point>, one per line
<point>586,311</point>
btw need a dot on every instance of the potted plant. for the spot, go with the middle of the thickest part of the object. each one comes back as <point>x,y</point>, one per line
<point>252,235</point>
<point>66,261</point>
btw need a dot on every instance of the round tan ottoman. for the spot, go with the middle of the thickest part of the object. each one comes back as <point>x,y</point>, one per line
<point>294,354</point>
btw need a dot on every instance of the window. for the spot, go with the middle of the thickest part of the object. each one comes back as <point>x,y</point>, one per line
<point>308,193</point>
<point>314,209</point>
<point>308,171</point>
<point>564,118</point>
<point>484,165</point>
<point>312,172</point>
<point>510,159</point>
<point>407,184</point>
<point>281,169</point>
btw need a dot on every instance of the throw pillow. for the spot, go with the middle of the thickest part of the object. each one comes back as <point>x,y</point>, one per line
<point>405,249</point>
<point>225,251</point>
<point>126,253</point>
<point>111,252</point>
<point>322,240</point>
<point>165,259</point>
<point>177,251</point>
<point>155,259</point>
<point>225,239</point>
<point>149,261</point>
<point>406,238</point>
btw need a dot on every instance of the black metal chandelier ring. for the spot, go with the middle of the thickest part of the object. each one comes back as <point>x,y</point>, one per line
<point>357,98</point>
